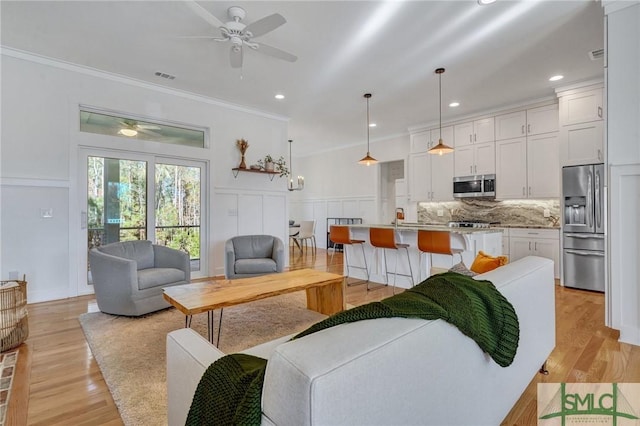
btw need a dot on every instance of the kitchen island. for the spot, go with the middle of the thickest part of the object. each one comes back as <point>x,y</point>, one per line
<point>470,240</point>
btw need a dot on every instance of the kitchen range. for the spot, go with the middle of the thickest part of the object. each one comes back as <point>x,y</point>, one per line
<point>583,227</point>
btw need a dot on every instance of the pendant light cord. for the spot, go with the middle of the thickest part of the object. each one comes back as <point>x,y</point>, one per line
<point>440,101</point>
<point>368,124</point>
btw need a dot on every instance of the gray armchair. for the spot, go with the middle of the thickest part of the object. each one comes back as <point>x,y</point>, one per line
<point>128,276</point>
<point>253,255</point>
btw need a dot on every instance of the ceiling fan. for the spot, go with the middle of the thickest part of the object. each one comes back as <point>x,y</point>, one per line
<point>132,128</point>
<point>240,35</point>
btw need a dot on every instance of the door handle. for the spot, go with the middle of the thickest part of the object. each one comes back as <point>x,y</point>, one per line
<point>585,253</point>
<point>585,236</point>
<point>589,212</point>
<point>597,200</point>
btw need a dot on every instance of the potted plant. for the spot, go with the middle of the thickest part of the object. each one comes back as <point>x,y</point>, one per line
<point>269,164</point>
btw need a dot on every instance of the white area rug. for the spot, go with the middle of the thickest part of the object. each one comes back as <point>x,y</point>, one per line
<point>131,352</point>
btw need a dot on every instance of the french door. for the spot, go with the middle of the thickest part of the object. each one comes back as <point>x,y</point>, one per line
<point>129,196</point>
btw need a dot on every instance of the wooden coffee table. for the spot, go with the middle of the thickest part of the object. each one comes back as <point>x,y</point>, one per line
<point>324,293</point>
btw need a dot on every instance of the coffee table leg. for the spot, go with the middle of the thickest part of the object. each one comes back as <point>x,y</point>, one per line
<point>210,327</point>
<point>187,321</point>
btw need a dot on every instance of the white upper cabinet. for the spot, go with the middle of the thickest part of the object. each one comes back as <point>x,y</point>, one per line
<point>581,107</point>
<point>542,120</point>
<point>581,127</point>
<point>533,121</point>
<point>430,177</point>
<point>478,131</point>
<point>511,168</point>
<point>441,177</point>
<point>476,159</point>
<point>543,166</point>
<point>512,125</point>
<point>419,177</point>
<point>420,141</point>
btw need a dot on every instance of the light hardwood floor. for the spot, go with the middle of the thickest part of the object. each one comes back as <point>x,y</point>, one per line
<point>60,382</point>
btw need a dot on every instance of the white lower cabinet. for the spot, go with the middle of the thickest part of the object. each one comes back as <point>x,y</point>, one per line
<point>535,242</point>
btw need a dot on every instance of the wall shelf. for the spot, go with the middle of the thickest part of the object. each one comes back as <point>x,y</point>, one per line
<point>271,175</point>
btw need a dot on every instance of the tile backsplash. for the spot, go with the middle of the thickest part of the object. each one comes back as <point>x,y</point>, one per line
<point>508,212</point>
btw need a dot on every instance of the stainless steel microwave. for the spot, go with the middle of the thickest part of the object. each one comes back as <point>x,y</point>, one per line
<point>479,186</point>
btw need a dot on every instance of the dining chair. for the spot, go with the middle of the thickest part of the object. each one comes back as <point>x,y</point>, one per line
<point>307,233</point>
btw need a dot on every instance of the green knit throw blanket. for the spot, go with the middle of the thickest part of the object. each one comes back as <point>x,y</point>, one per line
<point>230,390</point>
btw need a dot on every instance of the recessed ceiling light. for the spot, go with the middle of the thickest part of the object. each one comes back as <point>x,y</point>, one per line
<point>372,125</point>
<point>454,104</point>
<point>279,96</point>
<point>556,78</point>
<point>485,2</point>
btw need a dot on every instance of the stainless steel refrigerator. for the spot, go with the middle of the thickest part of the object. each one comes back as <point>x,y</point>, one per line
<point>583,226</point>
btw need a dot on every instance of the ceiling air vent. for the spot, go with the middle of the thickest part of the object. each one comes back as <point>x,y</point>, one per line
<point>171,77</point>
<point>596,54</point>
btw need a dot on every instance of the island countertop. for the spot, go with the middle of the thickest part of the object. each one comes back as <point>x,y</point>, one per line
<point>419,226</point>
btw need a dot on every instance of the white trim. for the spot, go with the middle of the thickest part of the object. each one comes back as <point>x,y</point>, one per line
<point>34,182</point>
<point>354,144</point>
<point>44,60</point>
<point>579,87</point>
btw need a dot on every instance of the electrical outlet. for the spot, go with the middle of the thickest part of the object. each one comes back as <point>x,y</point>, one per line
<point>547,213</point>
<point>440,213</point>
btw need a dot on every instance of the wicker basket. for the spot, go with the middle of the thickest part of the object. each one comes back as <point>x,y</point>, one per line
<point>14,321</point>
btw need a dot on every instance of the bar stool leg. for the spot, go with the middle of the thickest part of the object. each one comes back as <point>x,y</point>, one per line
<point>413,283</point>
<point>366,268</point>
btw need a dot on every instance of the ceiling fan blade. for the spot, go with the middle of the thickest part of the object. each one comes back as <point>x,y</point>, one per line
<point>266,24</point>
<point>275,52</point>
<point>235,55</point>
<point>203,13</point>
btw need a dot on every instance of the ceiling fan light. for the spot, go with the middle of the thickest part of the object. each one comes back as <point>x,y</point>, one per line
<point>128,132</point>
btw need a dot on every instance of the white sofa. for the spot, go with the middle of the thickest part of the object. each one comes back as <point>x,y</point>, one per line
<point>388,371</point>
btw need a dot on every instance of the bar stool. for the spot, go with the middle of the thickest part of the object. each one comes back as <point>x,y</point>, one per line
<point>438,242</point>
<point>385,238</point>
<point>341,235</point>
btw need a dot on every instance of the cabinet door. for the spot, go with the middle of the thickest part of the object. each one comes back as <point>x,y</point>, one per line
<point>420,141</point>
<point>511,168</point>
<point>511,125</point>
<point>484,130</point>
<point>542,120</point>
<point>519,247</point>
<point>581,107</point>
<point>419,177</point>
<point>463,134</point>
<point>549,249</point>
<point>582,143</point>
<point>484,158</point>
<point>463,160</point>
<point>447,136</point>
<point>543,166</point>
<point>441,177</point>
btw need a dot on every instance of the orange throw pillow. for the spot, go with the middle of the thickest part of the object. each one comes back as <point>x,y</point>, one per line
<point>485,263</point>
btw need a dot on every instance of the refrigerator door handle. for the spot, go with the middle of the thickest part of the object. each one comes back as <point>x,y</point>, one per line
<point>597,197</point>
<point>585,253</point>
<point>585,236</point>
<point>589,212</point>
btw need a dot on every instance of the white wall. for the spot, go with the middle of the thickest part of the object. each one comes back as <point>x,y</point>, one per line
<point>39,164</point>
<point>623,153</point>
<point>337,186</point>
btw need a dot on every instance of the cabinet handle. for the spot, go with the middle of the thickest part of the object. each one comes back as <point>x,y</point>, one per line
<point>529,190</point>
<point>600,112</point>
<point>535,246</point>
<point>523,129</point>
<point>523,193</point>
<point>599,155</point>
<point>470,169</point>
<point>475,137</point>
<point>528,128</point>
<point>470,140</point>
<point>475,169</point>
<point>529,245</point>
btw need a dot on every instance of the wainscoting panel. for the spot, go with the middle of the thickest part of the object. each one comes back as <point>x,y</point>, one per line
<point>250,214</point>
<point>625,246</point>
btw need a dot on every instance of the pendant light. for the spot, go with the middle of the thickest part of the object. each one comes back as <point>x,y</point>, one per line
<point>441,148</point>
<point>300,178</point>
<point>368,159</point>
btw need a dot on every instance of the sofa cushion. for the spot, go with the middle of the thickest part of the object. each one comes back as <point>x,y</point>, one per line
<point>155,277</point>
<point>140,251</point>
<point>255,266</point>
<point>253,247</point>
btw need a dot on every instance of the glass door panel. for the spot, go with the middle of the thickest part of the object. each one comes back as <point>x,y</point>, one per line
<point>116,200</point>
<point>177,209</point>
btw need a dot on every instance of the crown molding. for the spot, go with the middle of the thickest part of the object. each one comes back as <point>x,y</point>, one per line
<point>94,72</point>
<point>611,6</point>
